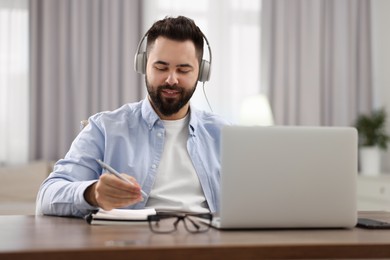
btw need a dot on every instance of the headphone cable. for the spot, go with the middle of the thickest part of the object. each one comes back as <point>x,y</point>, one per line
<point>207,100</point>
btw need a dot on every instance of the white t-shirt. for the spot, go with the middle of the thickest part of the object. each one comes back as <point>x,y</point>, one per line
<point>177,187</point>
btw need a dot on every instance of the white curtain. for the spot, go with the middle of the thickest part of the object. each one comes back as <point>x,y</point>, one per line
<point>317,60</point>
<point>82,54</point>
<point>13,81</point>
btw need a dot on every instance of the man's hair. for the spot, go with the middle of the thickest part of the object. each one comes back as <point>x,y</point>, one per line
<point>178,29</point>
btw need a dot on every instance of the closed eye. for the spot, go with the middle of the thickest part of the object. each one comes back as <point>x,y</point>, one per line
<point>184,71</point>
<point>185,68</point>
<point>181,68</point>
<point>161,67</point>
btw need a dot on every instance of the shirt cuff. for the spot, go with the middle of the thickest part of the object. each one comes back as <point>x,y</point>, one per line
<point>80,203</point>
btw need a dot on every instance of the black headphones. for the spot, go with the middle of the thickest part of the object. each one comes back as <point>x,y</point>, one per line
<point>140,61</point>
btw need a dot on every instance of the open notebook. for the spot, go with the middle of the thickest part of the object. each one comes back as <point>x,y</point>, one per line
<point>119,216</point>
<point>288,177</point>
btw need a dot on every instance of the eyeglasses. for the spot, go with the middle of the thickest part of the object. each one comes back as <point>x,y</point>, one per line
<point>164,223</point>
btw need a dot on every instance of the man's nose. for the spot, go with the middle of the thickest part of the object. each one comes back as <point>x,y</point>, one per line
<point>172,79</point>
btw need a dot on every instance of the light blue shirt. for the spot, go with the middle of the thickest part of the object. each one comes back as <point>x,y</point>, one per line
<point>131,140</point>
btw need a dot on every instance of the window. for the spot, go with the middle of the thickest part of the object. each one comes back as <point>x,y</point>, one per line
<point>233,30</point>
<point>13,81</point>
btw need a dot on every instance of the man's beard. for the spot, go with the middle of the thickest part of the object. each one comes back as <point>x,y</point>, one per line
<point>169,106</point>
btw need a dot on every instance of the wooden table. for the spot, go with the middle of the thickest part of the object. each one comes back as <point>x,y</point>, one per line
<point>44,237</point>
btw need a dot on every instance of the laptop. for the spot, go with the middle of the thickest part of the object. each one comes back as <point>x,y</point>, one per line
<point>288,177</point>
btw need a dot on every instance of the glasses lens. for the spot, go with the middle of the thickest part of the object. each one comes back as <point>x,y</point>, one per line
<point>163,224</point>
<point>198,222</point>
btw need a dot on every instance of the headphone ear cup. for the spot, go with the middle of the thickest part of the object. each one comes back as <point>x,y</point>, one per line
<point>140,63</point>
<point>204,71</point>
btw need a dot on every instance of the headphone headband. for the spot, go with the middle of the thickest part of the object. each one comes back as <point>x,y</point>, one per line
<point>140,61</point>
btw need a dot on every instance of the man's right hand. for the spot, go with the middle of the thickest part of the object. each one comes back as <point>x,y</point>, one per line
<point>110,192</point>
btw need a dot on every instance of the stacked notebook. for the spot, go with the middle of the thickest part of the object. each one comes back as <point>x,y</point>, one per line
<point>119,216</point>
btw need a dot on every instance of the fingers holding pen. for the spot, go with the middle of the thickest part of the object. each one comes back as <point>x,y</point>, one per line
<point>112,192</point>
<point>117,174</point>
<point>119,185</point>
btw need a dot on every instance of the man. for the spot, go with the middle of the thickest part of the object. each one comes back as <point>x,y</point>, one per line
<point>161,144</point>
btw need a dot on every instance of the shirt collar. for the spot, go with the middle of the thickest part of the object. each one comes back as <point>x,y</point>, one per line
<point>150,116</point>
<point>193,120</point>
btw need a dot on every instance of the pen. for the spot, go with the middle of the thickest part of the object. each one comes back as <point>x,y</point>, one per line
<point>117,174</point>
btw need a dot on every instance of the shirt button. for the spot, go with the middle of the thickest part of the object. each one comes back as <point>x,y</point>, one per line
<point>159,134</point>
<point>154,166</point>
